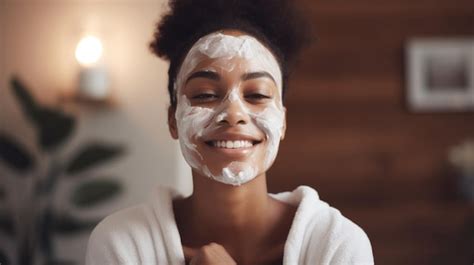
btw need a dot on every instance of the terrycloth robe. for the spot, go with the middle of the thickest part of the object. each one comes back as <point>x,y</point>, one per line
<point>148,234</point>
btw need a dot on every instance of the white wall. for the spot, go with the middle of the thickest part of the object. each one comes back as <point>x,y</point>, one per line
<point>37,42</point>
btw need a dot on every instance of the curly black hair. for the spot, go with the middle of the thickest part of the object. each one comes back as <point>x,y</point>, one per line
<point>278,24</point>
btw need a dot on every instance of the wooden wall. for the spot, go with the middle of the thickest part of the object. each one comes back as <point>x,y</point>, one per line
<point>351,136</point>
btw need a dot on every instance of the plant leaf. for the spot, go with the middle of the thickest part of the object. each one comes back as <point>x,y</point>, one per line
<point>55,127</point>
<point>4,258</point>
<point>68,225</point>
<point>94,192</point>
<point>92,155</point>
<point>25,99</point>
<point>15,154</point>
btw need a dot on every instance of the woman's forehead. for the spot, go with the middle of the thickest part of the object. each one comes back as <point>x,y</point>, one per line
<point>226,54</point>
<point>225,66</point>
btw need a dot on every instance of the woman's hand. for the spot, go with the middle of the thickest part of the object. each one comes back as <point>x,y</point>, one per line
<point>212,254</point>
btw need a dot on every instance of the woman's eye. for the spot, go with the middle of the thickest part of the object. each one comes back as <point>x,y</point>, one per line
<point>257,97</point>
<point>205,96</point>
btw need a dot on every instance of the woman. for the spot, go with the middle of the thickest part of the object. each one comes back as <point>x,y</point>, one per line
<point>228,73</point>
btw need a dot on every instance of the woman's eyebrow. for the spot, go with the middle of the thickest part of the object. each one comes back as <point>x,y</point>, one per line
<point>254,75</point>
<point>204,74</point>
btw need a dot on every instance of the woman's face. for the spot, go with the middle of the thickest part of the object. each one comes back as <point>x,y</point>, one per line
<point>229,117</point>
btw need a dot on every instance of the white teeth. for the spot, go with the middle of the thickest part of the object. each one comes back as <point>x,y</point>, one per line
<point>232,144</point>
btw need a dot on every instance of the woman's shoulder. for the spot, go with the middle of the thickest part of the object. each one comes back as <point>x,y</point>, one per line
<point>322,234</point>
<point>118,236</point>
<point>123,220</point>
<point>141,234</point>
<point>343,241</point>
<point>136,221</point>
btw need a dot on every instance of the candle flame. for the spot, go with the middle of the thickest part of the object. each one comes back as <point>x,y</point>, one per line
<point>89,51</point>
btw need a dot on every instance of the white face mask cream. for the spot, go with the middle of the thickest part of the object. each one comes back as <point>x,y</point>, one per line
<point>262,126</point>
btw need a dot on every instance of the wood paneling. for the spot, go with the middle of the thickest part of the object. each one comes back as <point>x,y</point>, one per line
<point>351,136</point>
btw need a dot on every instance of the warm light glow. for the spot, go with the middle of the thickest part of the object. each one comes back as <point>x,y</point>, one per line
<point>88,51</point>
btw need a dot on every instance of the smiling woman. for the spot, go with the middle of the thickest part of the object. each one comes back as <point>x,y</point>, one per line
<point>227,78</point>
<point>227,94</point>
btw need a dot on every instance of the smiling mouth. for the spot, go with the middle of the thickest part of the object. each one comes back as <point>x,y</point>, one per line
<point>232,144</point>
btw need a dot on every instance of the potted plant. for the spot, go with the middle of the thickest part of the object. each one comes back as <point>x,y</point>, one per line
<point>30,182</point>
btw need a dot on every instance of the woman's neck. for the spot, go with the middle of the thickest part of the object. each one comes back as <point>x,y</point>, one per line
<point>219,210</point>
<point>244,219</point>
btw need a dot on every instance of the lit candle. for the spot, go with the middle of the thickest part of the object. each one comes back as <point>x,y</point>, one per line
<point>93,81</point>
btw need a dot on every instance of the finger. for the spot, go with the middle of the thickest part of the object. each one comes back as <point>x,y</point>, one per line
<point>218,251</point>
<point>189,253</point>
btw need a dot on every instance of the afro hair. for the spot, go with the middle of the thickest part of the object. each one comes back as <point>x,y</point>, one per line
<point>276,23</point>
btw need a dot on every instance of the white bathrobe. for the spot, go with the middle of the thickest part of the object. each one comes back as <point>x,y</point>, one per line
<point>147,234</point>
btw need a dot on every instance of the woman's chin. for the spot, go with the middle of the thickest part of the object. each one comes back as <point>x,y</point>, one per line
<point>235,173</point>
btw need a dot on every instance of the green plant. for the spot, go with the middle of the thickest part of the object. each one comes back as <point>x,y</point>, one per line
<point>30,218</point>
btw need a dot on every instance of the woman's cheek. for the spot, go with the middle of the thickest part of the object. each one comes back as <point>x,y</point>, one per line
<point>191,124</point>
<point>271,121</point>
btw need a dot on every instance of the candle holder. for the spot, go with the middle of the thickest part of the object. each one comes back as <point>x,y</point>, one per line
<point>93,83</point>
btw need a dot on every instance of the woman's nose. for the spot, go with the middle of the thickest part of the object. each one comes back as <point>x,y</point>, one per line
<point>234,113</point>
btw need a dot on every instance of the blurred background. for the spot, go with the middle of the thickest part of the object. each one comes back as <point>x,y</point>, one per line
<point>364,129</point>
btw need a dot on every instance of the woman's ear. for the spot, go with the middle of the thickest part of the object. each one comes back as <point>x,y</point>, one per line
<point>172,122</point>
<point>283,129</point>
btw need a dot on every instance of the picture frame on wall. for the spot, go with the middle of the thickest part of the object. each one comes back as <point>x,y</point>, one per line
<point>440,74</point>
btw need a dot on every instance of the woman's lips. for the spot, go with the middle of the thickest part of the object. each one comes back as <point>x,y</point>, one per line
<point>232,144</point>
<point>232,147</point>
